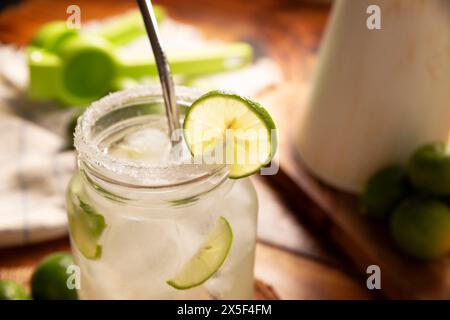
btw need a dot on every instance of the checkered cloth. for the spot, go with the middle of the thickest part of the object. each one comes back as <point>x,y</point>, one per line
<point>33,176</point>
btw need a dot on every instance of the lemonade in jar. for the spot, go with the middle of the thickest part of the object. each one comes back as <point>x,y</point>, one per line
<point>147,220</point>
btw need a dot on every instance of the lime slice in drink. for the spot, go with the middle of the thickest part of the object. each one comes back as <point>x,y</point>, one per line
<point>86,225</point>
<point>208,259</point>
<point>239,128</point>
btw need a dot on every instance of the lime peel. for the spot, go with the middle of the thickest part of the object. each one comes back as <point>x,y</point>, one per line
<point>211,115</point>
<point>86,224</point>
<point>208,259</point>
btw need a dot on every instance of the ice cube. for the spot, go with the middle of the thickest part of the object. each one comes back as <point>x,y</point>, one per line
<point>148,145</point>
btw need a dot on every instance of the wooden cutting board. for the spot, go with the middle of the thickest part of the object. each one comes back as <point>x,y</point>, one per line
<point>337,214</point>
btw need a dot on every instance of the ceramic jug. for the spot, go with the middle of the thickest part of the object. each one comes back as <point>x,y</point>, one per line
<point>377,93</point>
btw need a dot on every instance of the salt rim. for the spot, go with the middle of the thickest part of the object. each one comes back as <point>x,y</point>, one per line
<point>89,151</point>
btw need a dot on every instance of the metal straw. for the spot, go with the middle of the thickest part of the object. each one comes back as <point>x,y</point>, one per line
<point>165,76</point>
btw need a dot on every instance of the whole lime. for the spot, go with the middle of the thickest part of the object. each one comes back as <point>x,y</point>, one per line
<point>49,281</point>
<point>421,227</point>
<point>429,168</point>
<point>384,191</point>
<point>11,290</point>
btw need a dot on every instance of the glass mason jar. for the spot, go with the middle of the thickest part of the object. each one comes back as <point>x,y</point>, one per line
<point>136,215</point>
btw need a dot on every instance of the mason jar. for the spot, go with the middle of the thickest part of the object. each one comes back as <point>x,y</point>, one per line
<point>137,215</point>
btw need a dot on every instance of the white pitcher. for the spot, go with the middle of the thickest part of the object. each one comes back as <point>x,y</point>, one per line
<point>377,94</point>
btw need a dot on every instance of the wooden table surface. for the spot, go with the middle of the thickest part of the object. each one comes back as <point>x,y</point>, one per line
<point>286,31</point>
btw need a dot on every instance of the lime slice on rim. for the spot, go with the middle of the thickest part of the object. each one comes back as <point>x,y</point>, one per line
<point>208,259</point>
<point>242,128</point>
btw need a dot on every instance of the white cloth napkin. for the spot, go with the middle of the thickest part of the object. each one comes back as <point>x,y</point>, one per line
<point>34,171</point>
<point>33,177</point>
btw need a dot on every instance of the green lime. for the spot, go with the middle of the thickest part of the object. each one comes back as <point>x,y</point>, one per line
<point>49,281</point>
<point>208,259</point>
<point>86,225</point>
<point>429,168</point>
<point>421,227</point>
<point>11,290</point>
<point>384,191</point>
<point>240,126</point>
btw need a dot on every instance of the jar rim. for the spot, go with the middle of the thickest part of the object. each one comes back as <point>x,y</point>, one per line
<point>137,174</point>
